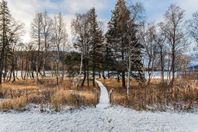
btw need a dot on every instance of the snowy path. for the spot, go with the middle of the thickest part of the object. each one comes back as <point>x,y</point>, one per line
<point>104,97</point>
<point>99,119</point>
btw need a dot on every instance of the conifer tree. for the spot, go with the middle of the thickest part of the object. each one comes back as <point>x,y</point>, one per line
<point>5,50</point>
<point>124,43</point>
<point>88,40</point>
<point>115,35</point>
<point>96,41</point>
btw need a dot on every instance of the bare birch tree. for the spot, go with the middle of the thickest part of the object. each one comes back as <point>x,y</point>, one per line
<point>174,32</point>
<point>59,40</point>
<point>46,35</point>
<point>81,31</point>
<point>36,38</point>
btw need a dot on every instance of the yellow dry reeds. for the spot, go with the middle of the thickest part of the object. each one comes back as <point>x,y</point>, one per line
<point>15,104</point>
<point>182,96</point>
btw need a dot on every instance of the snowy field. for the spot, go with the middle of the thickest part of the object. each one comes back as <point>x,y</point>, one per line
<point>115,119</point>
<point>103,118</point>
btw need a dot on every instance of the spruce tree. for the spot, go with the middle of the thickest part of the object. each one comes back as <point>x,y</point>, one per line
<point>124,44</point>
<point>117,36</point>
<point>5,50</point>
<point>96,41</point>
<point>88,40</point>
<point>108,61</point>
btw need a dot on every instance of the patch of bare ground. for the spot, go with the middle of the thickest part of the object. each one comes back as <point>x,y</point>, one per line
<point>17,95</point>
<point>183,96</point>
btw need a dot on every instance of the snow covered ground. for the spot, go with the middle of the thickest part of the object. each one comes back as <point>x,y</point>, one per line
<point>103,118</point>
<point>104,97</point>
<point>116,119</point>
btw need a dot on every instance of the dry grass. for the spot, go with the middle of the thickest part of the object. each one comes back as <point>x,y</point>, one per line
<point>19,94</point>
<point>157,96</point>
<point>15,104</point>
<point>73,98</point>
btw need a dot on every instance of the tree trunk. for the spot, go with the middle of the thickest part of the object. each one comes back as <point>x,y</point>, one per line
<point>81,64</point>
<point>103,74</point>
<point>108,74</point>
<point>85,74</point>
<point>123,79</point>
<point>93,75</point>
<point>123,72</point>
<point>129,75</point>
<point>173,57</point>
<point>162,65</point>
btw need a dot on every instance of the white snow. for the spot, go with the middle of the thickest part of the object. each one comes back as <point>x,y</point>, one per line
<point>104,97</point>
<point>103,118</point>
<point>116,119</point>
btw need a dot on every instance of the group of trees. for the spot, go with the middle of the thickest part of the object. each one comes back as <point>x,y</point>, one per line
<point>124,44</point>
<point>49,35</point>
<point>49,41</point>
<point>120,50</point>
<point>10,31</point>
<point>88,40</point>
<point>165,42</point>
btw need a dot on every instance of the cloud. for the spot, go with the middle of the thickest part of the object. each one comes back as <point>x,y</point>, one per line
<point>24,10</point>
<point>190,6</point>
<point>73,6</point>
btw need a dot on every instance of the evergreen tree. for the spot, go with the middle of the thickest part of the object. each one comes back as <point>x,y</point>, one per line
<point>117,35</point>
<point>134,55</point>
<point>114,38</point>
<point>124,43</point>
<point>108,62</point>
<point>5,50</point>
<point>96,41</point>
<point>88,40</point>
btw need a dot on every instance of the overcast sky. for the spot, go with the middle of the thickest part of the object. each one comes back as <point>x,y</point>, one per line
<point>24,10</point>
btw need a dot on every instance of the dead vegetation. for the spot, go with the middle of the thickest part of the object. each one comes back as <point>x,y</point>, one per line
<point>15,104</point>
<point>73,98</point>
<point>19,94</point>
<point>156,96</point>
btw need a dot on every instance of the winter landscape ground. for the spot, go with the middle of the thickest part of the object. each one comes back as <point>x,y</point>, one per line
<point>98,66</point>
<point>103,118</point>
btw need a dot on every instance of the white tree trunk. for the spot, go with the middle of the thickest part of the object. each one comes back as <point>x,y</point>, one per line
<point>81,64</point>
<point>129,74</point>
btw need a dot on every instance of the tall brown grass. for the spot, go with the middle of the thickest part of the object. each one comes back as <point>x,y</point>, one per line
<point>15,104</point>
<point>156,96</point>
<point>22,92</point>
<point>73,98</point>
